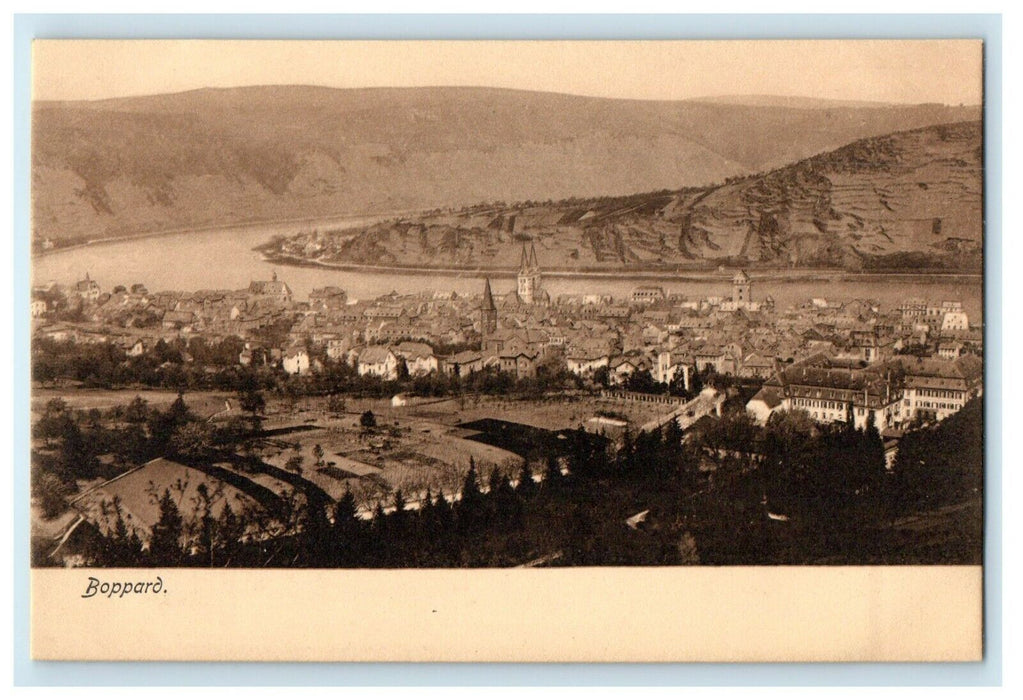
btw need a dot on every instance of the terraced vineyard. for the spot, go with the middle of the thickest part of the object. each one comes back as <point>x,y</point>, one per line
<point>906,200</point>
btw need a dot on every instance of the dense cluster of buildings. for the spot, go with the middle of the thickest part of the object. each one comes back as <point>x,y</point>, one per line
<point>834,360</point>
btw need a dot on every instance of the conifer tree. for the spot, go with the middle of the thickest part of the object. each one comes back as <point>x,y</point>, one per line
<point>134,547</point>
<point>348,530</point>
<point>526,486</point>
<point>165,543</point>
<point>873,459</point>
<point>508,505</point>
<point>494,481</point>
<point>399,515</point>
<point>444,513</point>
<point>426,520</point>
<point>552,476</point>
<point>471,507</point>
<point>230,530</point>
<point>379,542</point>
<point>118,543</point>
<point>76,460</point>
<point>317,549</point>
<point>379,516</point>
<point>207,526</point>
<point>672,436</point>
<point>346,511</point>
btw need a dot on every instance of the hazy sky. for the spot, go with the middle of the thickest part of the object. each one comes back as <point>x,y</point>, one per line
<point>887,71</point>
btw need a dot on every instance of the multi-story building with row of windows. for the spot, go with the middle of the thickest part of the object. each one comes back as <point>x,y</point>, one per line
<point>831,391</point>
<point>890,393</point>
<point>936,388</point>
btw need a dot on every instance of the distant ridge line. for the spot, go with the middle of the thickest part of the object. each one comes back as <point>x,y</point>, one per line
<point>753,100</point>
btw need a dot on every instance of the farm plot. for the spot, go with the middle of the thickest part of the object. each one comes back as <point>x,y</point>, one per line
<point>549,413</point>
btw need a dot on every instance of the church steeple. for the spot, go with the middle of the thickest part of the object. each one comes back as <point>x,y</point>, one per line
<point>488,310</point>
<point>488,296</point>
<point>529,275</point>
<point>742,289</point>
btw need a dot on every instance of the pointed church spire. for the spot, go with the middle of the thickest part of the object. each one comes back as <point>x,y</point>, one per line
<point>524,260</point>
<point>488,311</point>
<point>533,264</point>
<point>488,297</point>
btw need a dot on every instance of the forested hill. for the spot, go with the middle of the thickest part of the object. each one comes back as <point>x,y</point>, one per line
<point>904,201</point>
<point>223,156</point>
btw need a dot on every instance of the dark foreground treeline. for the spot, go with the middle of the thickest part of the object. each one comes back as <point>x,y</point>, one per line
<point>731,494</point>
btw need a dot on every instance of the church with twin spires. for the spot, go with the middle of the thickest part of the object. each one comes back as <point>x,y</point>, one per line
<point>528,291</point>
<point>530,287</point>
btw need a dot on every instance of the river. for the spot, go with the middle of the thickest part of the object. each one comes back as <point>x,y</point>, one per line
<point>225,259</point>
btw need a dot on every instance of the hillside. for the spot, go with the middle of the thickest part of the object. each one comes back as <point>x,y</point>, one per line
<point>906,201</point>
<point>225,156</point>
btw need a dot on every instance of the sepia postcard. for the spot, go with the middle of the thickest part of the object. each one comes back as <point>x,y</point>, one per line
<point>507,350</point>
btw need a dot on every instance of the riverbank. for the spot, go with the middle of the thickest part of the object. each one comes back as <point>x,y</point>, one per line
<point>231,260</point>
<point>776,274</point>
<point>357,219</point>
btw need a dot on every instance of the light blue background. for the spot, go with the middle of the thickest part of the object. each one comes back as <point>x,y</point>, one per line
<point>987,27</point>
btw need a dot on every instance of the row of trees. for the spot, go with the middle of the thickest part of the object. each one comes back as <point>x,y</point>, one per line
<point>104,365</point>
<point>215,367</point>
<point>642,381</point>
<point>439,532</point>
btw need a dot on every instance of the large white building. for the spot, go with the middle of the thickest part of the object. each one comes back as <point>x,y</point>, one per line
<point>955,321</point>
<point>831,393</point>
<point>296,361</point>
<point>672,364</point>
<point>378,360</point>
<point>893,392</point>
<point>272,288</point>
<point>949,316</point>
<point>583,362</point>
<point>418,357</point>
<point>648,294</point>
<point>937,388</point>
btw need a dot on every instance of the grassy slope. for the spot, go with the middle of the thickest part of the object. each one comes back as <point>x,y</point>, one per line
<point>213,157</point>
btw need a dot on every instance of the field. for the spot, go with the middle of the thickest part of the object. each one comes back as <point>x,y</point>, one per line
<point>424,445</point>
<point>82,399</point>
<point>411,455</point>
<point>551,413</point>
<point>310,453</point>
